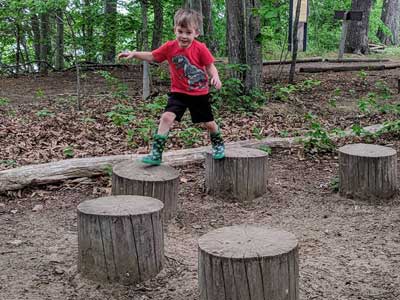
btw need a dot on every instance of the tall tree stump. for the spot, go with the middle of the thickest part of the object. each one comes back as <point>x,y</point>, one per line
<point>120,238</point>
<point>241,175</point>
<point>367,172</point>
<point>248,263</point>
<point>137,178</point>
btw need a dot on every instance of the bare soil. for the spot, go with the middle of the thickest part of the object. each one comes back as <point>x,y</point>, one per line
<point>349,249</point>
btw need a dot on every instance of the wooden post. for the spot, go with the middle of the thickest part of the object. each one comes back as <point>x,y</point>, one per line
<point>346,16</point>
<point>137,178</point>
<point>345,27</point>
<point>120,238</point>
<point>241,175</point>
<point>367,172</point>
<point>248,263</point>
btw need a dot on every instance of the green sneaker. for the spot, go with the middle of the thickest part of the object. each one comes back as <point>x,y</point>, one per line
<point>218,147</point>
<point>155,156</point>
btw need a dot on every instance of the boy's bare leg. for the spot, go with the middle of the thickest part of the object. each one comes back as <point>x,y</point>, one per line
<point>166,121</point>
<point>212,127</point>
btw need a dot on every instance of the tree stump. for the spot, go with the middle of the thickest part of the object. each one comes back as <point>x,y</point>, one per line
<point>248,263</point>
<point>241,175</point>
<point>120,238</point>
<point>367,172</point>
<point>137,178</point>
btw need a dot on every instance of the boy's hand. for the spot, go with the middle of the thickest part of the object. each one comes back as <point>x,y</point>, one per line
<point>127,55</point>
<point>216,82</point>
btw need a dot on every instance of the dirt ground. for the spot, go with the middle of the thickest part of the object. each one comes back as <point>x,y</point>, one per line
<point>349,249</point>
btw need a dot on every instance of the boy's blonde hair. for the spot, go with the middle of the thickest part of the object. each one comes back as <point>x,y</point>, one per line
<point>186,17</point>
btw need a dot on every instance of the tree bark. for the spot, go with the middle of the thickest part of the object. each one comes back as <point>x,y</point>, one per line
<point>18,52</point>
<point>391,18</point>
<point>45,43</point>
<point>59,59</point>
<point>244,40</point>
<point>87,30</point>
<point>145,45</point>
<point>208,26</point>
<point>36,35</point>
<point>197,6</point>
<point>158,24</point>
<point>357,34</point>
<point>110,27</point>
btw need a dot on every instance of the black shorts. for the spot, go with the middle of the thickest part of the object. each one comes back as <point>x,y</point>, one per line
<point>199,107</point>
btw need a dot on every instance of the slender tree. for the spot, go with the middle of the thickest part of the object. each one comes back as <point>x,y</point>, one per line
<point>158,24</point>
<point>391,18</point>
<point>109,31</point>
<point>59,58</point>
<point>45,43</point>
<point>357,34</point>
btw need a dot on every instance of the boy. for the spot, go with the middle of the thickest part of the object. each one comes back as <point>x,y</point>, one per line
<point>190,64</point>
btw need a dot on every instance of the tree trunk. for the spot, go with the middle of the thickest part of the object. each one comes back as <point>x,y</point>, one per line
<point>244,40</point>
<point>59,62</point>
<point>18,52</point>
<point>357,35</point>
<point>145,43</point>
<point>208,26</point>
<point>87,30</point>
<point>45,43</point>
<point>36,35</point>
<point>391,18</point>
<point>158,24</point>
<point>197,6</point>
<point>110,27</point>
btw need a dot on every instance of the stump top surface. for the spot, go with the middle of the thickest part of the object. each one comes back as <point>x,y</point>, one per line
<point>136,170</point>
<point>367,150</point>
<point>126,205</point>
<point>241,152</point>
<point>245,241</point>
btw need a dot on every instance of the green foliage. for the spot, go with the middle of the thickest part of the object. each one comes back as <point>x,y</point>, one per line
<point>120,89</point>
<point>108,169</point>
<point>8,163</point>
<point>334,184</point>
<point>121,115</point>
<point>4,101</point>
<point>308,84</point>
<point>282,92</point>
<point>358,130</point>
<point>39,93</point>
<point>44,113</point>
<point>157,105</point>
<point>258,133</point>
<point>317,139</point>
<point>265,149</point>
<point>232,94</point>
<point>144,130</point>
<point>68,152</point>
<point>190,135</point>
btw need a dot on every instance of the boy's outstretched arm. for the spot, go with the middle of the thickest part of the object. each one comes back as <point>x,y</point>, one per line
<point>147,56</point>
<point>214,77</point>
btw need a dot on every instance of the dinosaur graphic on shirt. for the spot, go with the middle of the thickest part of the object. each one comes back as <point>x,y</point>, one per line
<point>196,78</point>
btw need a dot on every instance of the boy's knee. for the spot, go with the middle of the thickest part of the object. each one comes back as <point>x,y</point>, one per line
<point>168,117</point>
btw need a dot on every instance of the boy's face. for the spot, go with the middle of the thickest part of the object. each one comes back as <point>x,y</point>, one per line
<point>185,35</point>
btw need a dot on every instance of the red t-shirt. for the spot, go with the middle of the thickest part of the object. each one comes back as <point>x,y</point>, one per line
<point>187,66</point>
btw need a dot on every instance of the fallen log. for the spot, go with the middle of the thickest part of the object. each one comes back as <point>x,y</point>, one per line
<point>350,60</point>
<point>40,174</point>
<point>348,68</point>
<point>288,62</point>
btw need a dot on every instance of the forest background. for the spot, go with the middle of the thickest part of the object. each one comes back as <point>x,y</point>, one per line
<point>50,34</point>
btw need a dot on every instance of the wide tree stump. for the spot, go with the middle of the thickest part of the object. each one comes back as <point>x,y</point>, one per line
<point>367,172</point>
<point>120,238</point>
<point>241,175</point>
<point>137,178</point>
<point>248,263</point>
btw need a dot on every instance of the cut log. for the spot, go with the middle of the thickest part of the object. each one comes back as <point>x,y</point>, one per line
<point>120,239</point>
<point>248,263</point>
<point>341,68</point>
<point>367,172</point>
<point>288,62</point>
<point>351,60</point>
<point>240,176</point>
<point>137,178</point>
